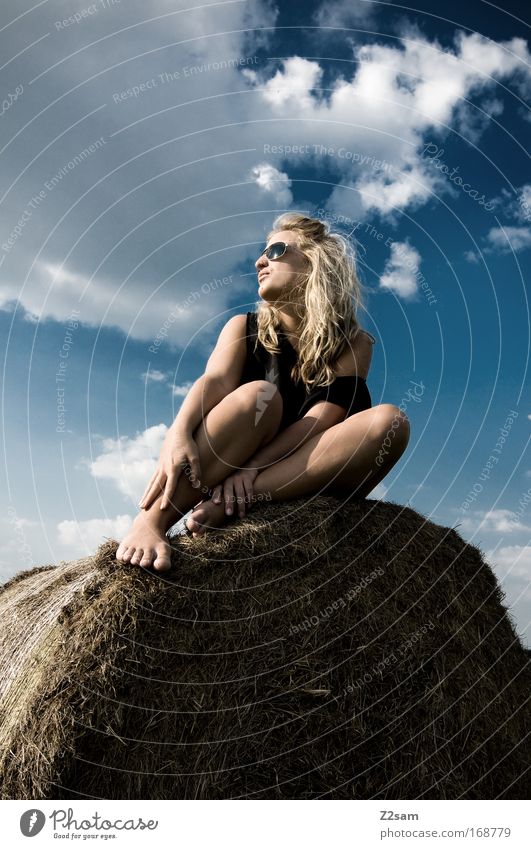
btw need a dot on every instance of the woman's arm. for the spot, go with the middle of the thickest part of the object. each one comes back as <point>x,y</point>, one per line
<point>222,375</point>
<point>205,393</point>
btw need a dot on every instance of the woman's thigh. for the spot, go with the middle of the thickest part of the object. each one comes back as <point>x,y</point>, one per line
<point>373,439</point>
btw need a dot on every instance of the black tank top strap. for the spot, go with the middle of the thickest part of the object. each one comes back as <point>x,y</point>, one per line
<point>252,331</point>
<point>254,366</point>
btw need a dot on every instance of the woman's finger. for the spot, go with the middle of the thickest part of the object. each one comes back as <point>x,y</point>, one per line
<point>169,489</point>
<point>156,487</point>
<point>240,496</point>
<point>155,491</point>
<point>195,471</point>
<point>248,493</point>
<point>228,492</point>
<point>217,494</point>
<point>148,487</point>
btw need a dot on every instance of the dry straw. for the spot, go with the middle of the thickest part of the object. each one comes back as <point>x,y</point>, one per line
<point>268,664</point>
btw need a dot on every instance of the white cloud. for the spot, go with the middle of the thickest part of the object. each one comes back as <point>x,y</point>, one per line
<point>506,239</point>
<point>496,521</point>
<point>513,559</point>
<point>386,193</point>
<point>512,566</point>
<point>136,218</point>
<point>345,13</point>
<point>379,492</point>
<point>26,543</point>
<point>83,538</point>
<point>154,376</point>
<point>140,233</point>
<point>485,59</point>
<point>182,390</point>
<point>129,462</point>
<point>54,291</point>
<point>394,96</point>
<point>275,182</point>
<point>515,205</point>
<point>472,121</point>
<point>293,87</point>
<point>21,544</point>
<point>400,270</point>
<point>524,203</point>
<point>472,256</point>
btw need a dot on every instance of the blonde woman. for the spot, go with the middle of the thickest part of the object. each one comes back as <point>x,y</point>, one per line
<point>283,409</point>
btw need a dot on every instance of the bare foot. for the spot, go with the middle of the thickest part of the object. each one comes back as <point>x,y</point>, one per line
<point>205,515</point>
<point>145,545</point>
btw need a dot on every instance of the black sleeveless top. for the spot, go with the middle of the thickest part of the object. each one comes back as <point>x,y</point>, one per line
<point>350,392</point>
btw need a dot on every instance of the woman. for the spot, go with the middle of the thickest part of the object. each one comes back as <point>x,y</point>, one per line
<point>282,410</point>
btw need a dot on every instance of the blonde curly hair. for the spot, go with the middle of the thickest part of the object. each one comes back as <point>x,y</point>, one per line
<point>331,293</point>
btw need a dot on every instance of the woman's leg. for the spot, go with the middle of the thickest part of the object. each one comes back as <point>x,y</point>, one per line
<point>348,458</point>
<point>343,459</point>
<point>228,435</point>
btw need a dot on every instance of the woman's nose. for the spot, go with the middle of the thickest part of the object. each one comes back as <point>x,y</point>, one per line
<point>261,261</point>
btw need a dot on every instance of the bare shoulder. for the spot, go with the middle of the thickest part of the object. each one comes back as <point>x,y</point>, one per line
<point>234,330</point>
<point>237,322</point>
<point>357,356</point>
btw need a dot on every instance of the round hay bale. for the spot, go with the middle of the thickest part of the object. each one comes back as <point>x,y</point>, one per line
<point>314,649</point>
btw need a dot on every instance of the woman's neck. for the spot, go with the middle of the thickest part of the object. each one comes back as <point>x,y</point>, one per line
<point>290,324</point>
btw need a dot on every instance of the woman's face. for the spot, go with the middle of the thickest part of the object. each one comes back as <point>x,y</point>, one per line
<point>278,279</point>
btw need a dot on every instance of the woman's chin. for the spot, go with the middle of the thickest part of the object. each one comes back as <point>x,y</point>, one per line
<point>268,293</point>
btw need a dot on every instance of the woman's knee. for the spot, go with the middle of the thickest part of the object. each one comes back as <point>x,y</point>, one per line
<point>391,426</point>
<point>260,397</point>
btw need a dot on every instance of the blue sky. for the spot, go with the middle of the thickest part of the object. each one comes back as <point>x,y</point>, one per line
<point>145,151</point>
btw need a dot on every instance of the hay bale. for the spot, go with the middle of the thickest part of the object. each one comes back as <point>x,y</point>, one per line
<point>313,649</point>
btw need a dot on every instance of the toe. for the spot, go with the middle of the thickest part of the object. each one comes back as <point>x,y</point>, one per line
<point>162,561</point>
<point>194,524</point>
<point>137,556</point>
<point>147,558</point>
<point>128,552</point>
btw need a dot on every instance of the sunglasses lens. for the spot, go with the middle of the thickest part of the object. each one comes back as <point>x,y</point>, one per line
<point>276,250</point>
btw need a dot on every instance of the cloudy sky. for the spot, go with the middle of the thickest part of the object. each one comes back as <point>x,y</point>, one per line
<point>145,149</point>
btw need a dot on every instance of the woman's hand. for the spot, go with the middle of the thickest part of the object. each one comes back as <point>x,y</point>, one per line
<point>179,449</point>
<point>237,487</point>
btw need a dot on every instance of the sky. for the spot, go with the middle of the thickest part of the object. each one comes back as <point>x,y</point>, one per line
<point>145,150</point>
